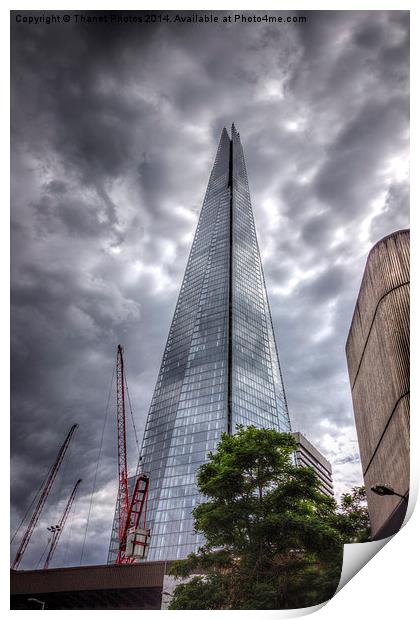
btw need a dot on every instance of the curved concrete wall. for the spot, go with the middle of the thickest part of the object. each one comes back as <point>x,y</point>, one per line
<point>378,361</point>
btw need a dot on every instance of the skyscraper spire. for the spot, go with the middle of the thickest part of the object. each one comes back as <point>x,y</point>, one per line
<point>220,366</point>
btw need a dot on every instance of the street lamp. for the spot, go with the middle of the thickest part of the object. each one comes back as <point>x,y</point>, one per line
<point>35,600</point>
<point>386,489</point>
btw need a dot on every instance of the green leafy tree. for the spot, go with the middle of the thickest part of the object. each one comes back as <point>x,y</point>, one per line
<point>354,515</point>
<point>273,539</point>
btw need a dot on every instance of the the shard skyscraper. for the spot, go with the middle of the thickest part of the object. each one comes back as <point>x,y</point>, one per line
<point>220,366</point>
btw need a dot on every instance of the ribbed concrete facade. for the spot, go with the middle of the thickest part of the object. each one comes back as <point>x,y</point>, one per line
<point>378,361</point>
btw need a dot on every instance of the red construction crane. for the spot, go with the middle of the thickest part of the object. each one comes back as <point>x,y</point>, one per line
<point>43,497</point>
<point>133,539</point>
<point>57,529</point>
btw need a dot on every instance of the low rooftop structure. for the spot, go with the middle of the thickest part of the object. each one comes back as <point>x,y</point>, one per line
<point>109,586</point>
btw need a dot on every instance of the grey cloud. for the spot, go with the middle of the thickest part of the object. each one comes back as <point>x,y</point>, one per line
<point>64,213</point>
<point>371,36</point>
<point>351,458</point>
<point>349,178</point>
<point>395,213</point>
<point>325,286</point>
<point>316,229</point>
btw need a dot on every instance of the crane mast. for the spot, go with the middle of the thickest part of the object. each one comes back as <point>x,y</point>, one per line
<point>123,496</point>
<point>133,539</point>
<point>57,529</point>
<point>43,498</point>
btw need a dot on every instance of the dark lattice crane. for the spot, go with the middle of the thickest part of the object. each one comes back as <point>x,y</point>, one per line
<point>57,529</point>
<point>133,540</point>
<point>43,497</point>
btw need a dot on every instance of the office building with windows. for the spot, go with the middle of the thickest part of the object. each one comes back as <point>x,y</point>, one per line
<point>220,366</point>
<point>308,456</point>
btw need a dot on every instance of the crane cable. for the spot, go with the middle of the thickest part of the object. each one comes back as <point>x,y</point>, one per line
<point>62,478</point>
<point>57,515</point>
<point>97,465</point>
<point>70,531</point>
<point>132,415</point>
<point>45,550</point>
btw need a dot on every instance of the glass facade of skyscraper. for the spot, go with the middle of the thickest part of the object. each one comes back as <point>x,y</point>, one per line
<point>258,396</point>
<point>220,366</point>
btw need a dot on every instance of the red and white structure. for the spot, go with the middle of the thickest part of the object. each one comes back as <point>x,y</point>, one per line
<point>133,534</point>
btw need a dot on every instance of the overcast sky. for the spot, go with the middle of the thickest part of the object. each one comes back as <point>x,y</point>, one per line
<point>114,132</point>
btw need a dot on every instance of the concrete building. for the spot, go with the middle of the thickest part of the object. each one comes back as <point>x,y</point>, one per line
<point>377,352</point>
<point>308,456</point>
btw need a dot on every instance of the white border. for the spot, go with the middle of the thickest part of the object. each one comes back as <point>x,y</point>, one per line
<point>387,586</point>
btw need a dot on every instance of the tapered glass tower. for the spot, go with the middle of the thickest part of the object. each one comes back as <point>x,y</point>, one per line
<point>220,366</point>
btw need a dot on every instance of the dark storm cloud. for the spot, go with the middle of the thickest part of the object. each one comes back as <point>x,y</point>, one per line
<point>349,177</point>
<point>316,229</point>
<point>114,130</point>
<point>325,286</point>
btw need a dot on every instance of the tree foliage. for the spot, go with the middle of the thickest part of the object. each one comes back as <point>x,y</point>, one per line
<point>273,539</point>
<point>354,514</point>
